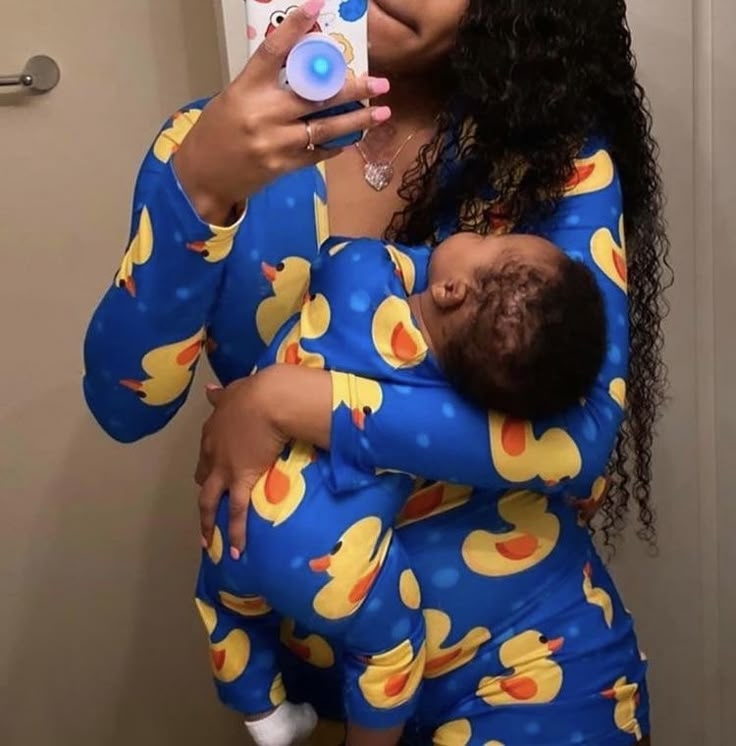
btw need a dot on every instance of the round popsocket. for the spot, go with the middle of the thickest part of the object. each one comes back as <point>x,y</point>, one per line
<point>315,68</point>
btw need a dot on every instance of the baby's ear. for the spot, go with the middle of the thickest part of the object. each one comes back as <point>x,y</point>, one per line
<point>449,294</point>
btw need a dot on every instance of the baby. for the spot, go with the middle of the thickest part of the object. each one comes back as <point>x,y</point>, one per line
<point>515,326</point>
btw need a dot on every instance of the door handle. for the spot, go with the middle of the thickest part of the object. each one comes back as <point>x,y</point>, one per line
<point>40,75</point>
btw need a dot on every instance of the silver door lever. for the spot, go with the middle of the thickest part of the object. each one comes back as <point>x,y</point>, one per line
<point>40,75</point>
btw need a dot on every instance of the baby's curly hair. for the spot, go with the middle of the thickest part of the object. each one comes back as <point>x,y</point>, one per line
<point>535,340</point>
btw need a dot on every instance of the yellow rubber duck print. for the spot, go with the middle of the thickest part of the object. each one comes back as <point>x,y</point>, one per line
<point>587,508</point>
<point>207,614</point>
<point>291,352</point>
<point>170,139</point>
<point>277,693</point>
<point>313,649</point>
<point>533,537</point>
<point>617,391</point>
<point>457,733</point>
<point>393,677</point>
<point>519,456</point>
<point>217,248</point>
<point>409,591</point>
<point>289,280</point>
<point>229,657</point>
<point>248,606</point>
<point>591,174</point>
<point>170,370</point>
<point>405,269</point>
<point>280,491</point>
<point>442,659</point>
<point>433,500</point>
<point>353,565</point>
<point>315,316</point>
<point>627,701</point>
<point>399,343</point>
<point>215,549</point>
<point>321,215</point>
<point>313,323</point>
<point>609,256</point>
<point>363,396</point>
<point>597,596</point>
<point>139,252</point>
<point>535,678</point>
<point>337,248</point>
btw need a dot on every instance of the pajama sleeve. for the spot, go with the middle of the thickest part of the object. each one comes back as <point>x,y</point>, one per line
<point>147,334</point>
<point>431,431</point>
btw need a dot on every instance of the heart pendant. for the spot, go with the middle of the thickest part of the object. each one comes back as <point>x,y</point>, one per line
<point>378,174</point>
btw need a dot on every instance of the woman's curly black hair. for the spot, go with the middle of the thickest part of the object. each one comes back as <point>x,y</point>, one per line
<point>536,78</point>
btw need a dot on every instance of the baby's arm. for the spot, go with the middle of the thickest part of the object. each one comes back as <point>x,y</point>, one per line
<point>432,431</point>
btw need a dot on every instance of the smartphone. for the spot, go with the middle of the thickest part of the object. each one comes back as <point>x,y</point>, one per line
<point>345,22</point>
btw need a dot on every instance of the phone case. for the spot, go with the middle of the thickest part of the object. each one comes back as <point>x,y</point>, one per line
<point>344,21</point>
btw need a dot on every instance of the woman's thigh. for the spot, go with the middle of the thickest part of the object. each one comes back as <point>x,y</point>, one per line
<point>544,653</point>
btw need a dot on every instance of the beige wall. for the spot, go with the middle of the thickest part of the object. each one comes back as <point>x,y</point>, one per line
<point>99,645</point>
<point>685,599</point>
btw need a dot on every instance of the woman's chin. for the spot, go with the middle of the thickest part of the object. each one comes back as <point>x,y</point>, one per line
<point>389,40</point>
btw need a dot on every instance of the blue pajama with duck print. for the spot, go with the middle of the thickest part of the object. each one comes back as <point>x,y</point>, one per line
<point>324,557</point>
<point>527,640</point>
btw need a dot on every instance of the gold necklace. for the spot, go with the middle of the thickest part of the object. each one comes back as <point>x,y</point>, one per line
<point>379,174</point>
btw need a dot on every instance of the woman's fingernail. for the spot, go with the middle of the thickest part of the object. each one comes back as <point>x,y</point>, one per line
<point>378,86</point>
<point>381,114</point>
<point>235,553</point>
<point>213,387</point>
<point>204,542</point>
<point>313,7</point>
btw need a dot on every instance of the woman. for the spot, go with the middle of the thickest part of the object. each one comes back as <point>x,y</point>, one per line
<point>490,104</point>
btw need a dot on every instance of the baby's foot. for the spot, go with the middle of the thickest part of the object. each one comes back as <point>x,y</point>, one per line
<point>287,725</point>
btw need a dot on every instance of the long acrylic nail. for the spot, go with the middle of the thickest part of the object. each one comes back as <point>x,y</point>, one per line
<point>381,114</point>
<point>378,86</point>
<point>312,8</point>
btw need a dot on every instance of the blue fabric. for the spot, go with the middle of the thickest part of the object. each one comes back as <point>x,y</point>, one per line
<point>527,639</point>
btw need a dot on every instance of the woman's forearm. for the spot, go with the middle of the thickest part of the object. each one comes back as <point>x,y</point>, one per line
<point>298,401</point>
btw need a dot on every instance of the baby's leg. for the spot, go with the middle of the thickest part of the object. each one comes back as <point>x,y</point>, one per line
<point>243,633</point>
<point>334,565</point>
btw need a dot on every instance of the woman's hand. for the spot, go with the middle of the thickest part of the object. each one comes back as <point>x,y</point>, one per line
<point>239,443</point>
<point>252,132</point>
<point>589,507</point>
<point>252,421</point>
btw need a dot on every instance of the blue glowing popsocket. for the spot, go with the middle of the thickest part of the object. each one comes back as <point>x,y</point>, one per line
<point>315,68</point>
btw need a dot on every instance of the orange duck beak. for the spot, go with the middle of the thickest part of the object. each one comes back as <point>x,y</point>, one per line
<point>131,384</point>
<point>556,644</point>
<point>269,272</point>
<point>320,564</point>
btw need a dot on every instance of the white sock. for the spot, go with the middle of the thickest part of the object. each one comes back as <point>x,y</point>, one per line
<point>287,725</point>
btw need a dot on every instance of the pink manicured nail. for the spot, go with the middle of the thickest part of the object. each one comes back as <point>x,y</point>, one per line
<point>381,114</point>
<point>378,86</point>
<point>213,387</point>
<point>235,553</point>
<point>313,7</point>
<point>204,543</point>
